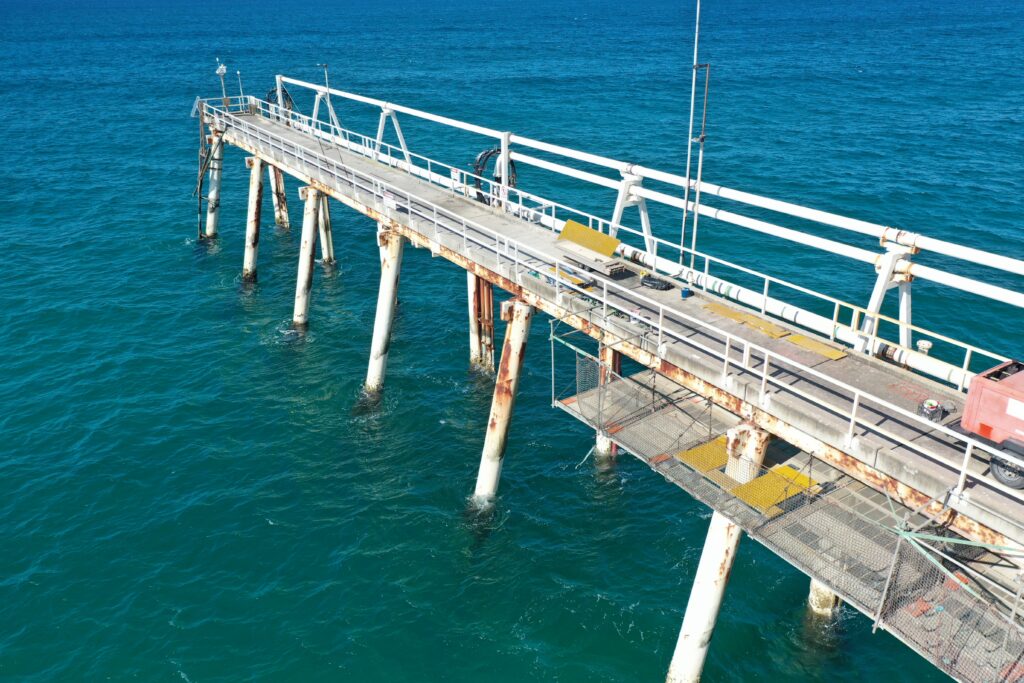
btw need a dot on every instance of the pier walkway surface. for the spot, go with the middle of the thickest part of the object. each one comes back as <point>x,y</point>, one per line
<point>893,512</point>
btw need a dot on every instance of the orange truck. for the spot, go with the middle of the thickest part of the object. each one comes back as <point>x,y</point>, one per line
<point>994,411</point>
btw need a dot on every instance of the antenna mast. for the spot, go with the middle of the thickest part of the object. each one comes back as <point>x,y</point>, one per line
<point>689,137</point>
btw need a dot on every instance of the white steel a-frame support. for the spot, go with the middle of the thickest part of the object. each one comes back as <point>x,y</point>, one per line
<point>331,115</point>
<point>891,268</point>
<point>626,198</point>
<point>387,113</point>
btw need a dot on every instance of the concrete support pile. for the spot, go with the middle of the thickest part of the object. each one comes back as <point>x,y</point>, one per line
<point>611,366</point>
<point>304,281</point>
<point>821,600</point>
<point>326,238</point>
<point>252,223</point>
<point>481,322</point>
<point>518,314</point>
<point>746,445</point>
<point>277,194</point>
<point>216,169</point>
<point>391,248</point>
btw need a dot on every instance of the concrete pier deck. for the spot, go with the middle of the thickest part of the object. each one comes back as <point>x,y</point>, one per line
<point>487,237</point>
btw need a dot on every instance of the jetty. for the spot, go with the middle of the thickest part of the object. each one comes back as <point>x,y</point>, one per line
<point>826,430</point>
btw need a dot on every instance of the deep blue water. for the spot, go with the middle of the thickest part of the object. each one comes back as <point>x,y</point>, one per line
<point>188,493</point>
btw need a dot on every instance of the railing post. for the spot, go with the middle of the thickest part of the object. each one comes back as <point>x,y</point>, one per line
<point>661,328</point>
<point>725,357</point>
<point>962,481</point>
<point>764,375</point>
<point>764,297</point>
<point>853,419</point>
<point>964,368</point>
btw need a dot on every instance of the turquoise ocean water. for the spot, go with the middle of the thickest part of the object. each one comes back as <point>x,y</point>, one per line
<point>187,492</point>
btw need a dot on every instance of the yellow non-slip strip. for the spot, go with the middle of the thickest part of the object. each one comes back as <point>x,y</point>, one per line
<point>816,346</point>
<point>595,241</point>
<point>775,331</point>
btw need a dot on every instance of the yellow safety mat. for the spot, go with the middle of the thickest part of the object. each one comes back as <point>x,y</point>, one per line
<point>816,346</point>
<point>725,311</point>
<point>773,331</point>
<point>773,487</point>
<point>577,233</point>
<point>707,456</point>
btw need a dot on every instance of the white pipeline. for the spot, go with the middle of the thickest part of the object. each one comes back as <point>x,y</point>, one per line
<point>882,232</point>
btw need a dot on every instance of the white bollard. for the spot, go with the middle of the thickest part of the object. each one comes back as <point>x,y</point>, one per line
<point>821,600</point>
<point>746,448</point>
<point>518,314</point>
<point>391,248</point>
<point>252,224</point>
<point>326,239</point>
<point>278,196</point>
<point>304,281</point>
<point>213,193</point>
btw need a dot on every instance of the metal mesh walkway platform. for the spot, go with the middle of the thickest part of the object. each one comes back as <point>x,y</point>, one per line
<point>830,526</point>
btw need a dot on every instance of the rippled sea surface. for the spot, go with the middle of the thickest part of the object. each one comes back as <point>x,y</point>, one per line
<point>190,492</point>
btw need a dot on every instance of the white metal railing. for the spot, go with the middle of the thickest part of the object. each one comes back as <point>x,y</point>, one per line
<point>844,325</point>
<point>613,298</point>
<point>885,234</point>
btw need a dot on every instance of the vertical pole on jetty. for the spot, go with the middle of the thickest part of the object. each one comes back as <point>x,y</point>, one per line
<point>277,194</point>
<point>821,600</point>
<point>326,239</point>
<point>391,248</point>
<point>304,281</point>
<point>746,446</point>
<point>611,362</point>
<point>518,315</point>
<point>213,195</point>
<point>252,223</point>
<point>480,295</point>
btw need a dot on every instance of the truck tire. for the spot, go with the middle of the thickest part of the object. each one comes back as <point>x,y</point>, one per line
<point>1007,474</point>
